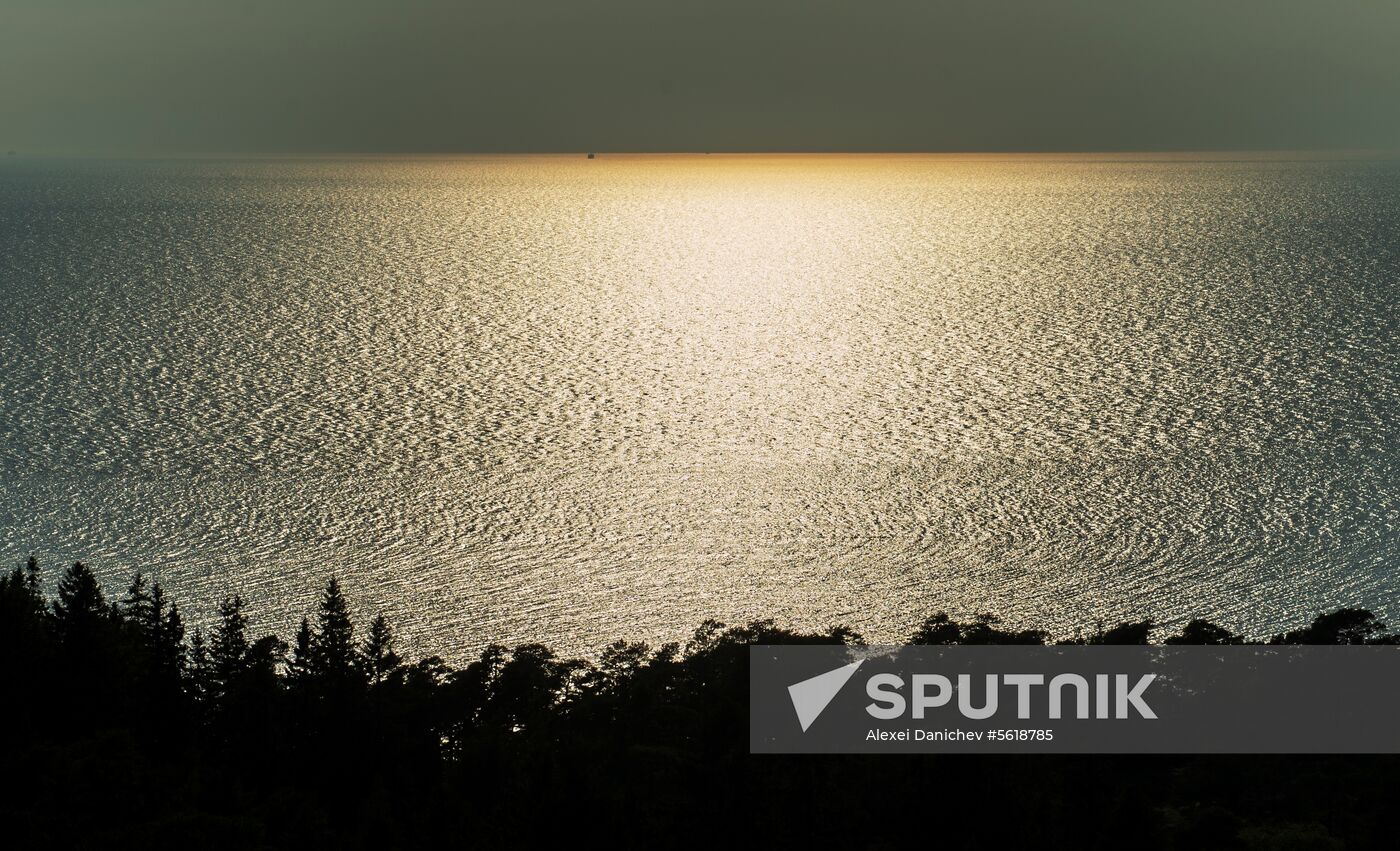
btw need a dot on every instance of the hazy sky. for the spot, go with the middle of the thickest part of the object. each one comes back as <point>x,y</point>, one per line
<point>134,76</point>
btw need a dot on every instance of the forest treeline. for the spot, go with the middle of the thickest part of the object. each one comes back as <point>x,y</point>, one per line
<point>123,728</point>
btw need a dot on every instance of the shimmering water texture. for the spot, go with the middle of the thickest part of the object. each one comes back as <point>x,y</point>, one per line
<point>556,399</point>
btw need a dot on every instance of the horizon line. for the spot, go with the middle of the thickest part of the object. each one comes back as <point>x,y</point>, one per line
<point>1225,153</point>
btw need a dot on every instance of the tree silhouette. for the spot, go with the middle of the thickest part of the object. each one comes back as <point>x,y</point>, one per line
<point>941,629</point>
<point>199,682</point>
<point>31,579</point>
<point>168,639</point>
<point>378,654</point>
<point>335,661</point>
<point>228,654</point>
<point>301,668</point>
<point>136,606</point>
<point>25,644</point>
<point>172,740</point>
<point>21,599</point>
<point>1201,631</point>
<point>1344,626</point>
<point>80,609</point>
<point>524,688</point>
<point>1127,632</point>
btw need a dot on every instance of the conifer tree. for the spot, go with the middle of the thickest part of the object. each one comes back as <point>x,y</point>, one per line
<point>170,642</point>
<point>135,607</point>
<point>200,678</point>
<point>229,651</point>
<point>301,668</point>
<point>335,660</point>
<point>22,621</point>
<point>21,591</point>
<point>379,656</point>
<point>155,616</point>
<point>33,586</point>
<point>80,608</point>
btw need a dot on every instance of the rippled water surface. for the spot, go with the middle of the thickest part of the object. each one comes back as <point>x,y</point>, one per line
<point>547,398</point>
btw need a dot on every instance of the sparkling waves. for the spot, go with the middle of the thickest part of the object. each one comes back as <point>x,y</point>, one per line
<point>549,398</point>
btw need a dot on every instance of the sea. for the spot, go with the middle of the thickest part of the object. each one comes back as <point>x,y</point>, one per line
<point>546,398</point>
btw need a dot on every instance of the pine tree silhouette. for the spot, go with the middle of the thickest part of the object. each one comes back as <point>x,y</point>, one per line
<point>379,656</point>
<point>336,662</point>
<point>80,608</point>
<point>229,651</point>
<point>231,744</point>
<point>199,680</point>
<point>302,667</point>
<point>136,607</point>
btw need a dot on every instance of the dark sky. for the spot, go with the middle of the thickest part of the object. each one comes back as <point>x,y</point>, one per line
<point>194,76</point>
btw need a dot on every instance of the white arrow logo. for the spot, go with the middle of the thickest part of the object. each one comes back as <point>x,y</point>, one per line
<point>810,697</point>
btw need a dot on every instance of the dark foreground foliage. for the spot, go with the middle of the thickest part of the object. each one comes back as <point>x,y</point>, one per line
<point>122,731</point>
